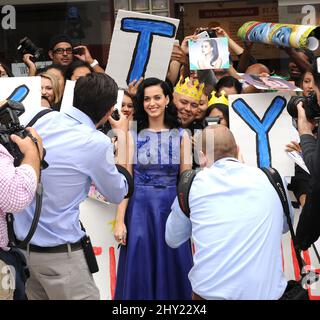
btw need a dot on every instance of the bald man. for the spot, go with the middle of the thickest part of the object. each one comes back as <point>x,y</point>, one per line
<point>236,222</point>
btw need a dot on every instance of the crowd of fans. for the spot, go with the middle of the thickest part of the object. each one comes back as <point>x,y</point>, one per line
<point>148,268</point>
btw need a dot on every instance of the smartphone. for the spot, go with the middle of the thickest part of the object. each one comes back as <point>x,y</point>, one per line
<point>212,120</point>
<point>208,34</point>
<point>203,35</point>
<point>79,51</point>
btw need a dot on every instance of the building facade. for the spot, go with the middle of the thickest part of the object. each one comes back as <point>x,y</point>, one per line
<point>90,22</point>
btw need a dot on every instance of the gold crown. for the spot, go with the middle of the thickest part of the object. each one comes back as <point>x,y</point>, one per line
<point>222,99</point>
<point>189,88</point>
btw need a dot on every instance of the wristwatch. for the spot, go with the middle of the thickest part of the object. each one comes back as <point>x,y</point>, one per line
<point>94,63</point>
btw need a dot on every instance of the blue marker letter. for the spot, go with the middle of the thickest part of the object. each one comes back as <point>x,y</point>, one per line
<point>146,29</point>
<point>19,93</point>
<point>261,128</point>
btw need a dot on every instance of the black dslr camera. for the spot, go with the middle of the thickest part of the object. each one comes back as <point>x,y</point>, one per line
<point>9,124</point>
<point>27,46</point>
<point>309,103</point>
<point>106,127</point>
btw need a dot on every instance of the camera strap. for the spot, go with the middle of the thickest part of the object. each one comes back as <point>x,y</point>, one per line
<point>275,179</point>
<point>129,179</point>
<point>10,220</point>
<point>38,116</point>
<point>38,196</point>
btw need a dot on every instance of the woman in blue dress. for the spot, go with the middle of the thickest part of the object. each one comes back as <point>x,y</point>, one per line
<point>148,269</point>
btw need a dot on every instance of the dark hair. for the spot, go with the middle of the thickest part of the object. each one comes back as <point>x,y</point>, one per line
<point>215,53</point>
<point>229,82</point>
<point>308,53</point>
<point>53,66</point>
<point>59,38</point>
<point>140,115</point>
<point>126,93</point>
<point>75,65</point>
<point>221,107</point>
<point>315,73</point>
<point>6,69</point>
<point>95,94</point>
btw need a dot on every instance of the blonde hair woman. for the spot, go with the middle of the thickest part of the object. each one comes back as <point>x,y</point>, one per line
<point>50,88</point>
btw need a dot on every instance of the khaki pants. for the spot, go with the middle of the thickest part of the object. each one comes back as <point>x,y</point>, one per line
<point>59,276</point>
<point>7,280</point>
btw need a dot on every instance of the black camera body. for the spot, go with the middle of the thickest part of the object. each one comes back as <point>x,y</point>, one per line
<point>27,46</point>
<point>10,124</point>
<point>106,127</point>
<point>309,103</point>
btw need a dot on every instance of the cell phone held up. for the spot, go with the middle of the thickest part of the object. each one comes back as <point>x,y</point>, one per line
<point>207,34</point>
<point>212,120</point>
<point>78,51</point>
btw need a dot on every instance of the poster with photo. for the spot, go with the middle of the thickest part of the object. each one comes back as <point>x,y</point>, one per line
<point>210,53</point>
<point>269,83</point>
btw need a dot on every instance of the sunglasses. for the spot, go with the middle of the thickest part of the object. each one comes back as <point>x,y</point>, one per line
<point>63,50</point>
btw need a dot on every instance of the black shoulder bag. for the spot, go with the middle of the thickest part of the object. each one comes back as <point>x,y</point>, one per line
<point>183,189</point>
<point>295,289</point>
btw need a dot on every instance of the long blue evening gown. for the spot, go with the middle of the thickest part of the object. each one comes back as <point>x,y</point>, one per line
<point>148,269</point>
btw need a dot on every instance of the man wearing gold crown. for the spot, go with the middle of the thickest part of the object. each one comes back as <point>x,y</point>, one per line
<point>186,96</point>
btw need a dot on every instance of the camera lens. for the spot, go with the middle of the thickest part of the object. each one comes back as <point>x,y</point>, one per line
<point>27,46</point>
<point>292,105</point>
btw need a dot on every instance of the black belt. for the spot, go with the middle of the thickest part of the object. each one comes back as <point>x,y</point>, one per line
<point>56,249</point>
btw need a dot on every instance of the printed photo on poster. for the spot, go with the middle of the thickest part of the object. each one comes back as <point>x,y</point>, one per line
<point>210,53</point>
<point>269,83</point>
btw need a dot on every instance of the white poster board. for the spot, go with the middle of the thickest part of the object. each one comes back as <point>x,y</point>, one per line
<point>20,69</point>
<point>141,46</point>
<point>26,90</point>
<point>266,114</point>
<point>98,218</point>
<point>67,99</point>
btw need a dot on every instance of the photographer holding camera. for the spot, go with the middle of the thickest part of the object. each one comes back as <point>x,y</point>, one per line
<point>60,256</point>
<point>237,243</point>
<point>308,115</point>
<point>17,189</point>
<point>61,52</point>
